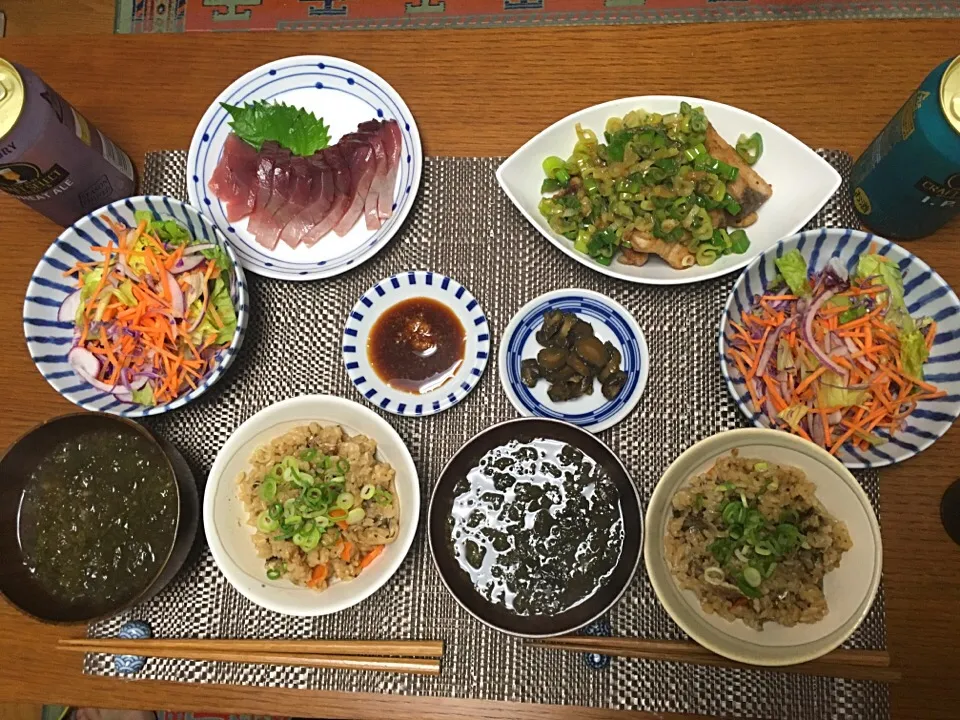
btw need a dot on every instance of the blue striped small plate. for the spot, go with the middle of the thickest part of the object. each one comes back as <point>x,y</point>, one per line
<point>49,340</point>
<point>926,295</point>
<point>344,94</point>
<point>385,294</point>
<point>610,321</point>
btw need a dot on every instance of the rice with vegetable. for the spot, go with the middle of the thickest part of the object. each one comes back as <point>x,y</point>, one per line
<point>750,538</point>
<point>324,507</point>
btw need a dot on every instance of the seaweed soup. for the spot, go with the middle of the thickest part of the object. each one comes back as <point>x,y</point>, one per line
<point>97,518</point>
<point>537,526</point>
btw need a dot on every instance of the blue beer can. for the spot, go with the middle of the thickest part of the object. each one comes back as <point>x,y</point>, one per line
<point>906,185</point>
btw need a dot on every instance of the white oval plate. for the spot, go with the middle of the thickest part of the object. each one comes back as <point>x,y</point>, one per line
<point>850,589</point>
<point>344,94</point>
<point>926,295</point>
<point>231,538</point>
<point>611,321</point>
<point>388,292</point>
<point>802,182</point>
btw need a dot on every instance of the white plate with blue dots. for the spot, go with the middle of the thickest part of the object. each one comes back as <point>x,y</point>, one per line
<point>344,94</point>
<point>384,295</point>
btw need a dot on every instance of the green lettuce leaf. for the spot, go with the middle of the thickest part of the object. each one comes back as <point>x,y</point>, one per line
<point>219,256</point>
<point>124,293</point>
<point>169,231</point>
<point>793,414</point>
<point>144,396</point>
<point>221,302</point>
<point>301,132</point>
<point>883,273</point>
<point>832,392</point>
<point>913,353</point>
<point>793,268</point>
<point>91,280</point>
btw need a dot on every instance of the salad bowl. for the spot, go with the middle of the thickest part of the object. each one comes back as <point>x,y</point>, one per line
<point>49,325</point>
<point>926,297</point>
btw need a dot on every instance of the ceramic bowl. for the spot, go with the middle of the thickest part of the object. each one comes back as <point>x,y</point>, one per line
<point>49,339</point>
<point>611,322</point>
<point>389,292</point>
<point>343,94</point>
<point>16,467</point>
<point>225,520</point>
<point>850,589</point>
<point>802,182</point>
<point>926,295</point>
<point>459,583</point>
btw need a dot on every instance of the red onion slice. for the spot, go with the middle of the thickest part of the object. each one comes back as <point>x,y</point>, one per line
<point>68,308</point>
<point>770,347</point>
<point>187,263</point>
<point>818,351</point>
<point>194,249</point>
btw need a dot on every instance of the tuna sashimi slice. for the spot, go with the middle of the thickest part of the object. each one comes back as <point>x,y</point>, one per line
<point>233,180</point>
<point>273,175</point>
<point>297,197</point>
<point>369,132</point>
<point>363,168</point>
<point>393,146</point>
<point>318,205</point>
<point>333,157</point>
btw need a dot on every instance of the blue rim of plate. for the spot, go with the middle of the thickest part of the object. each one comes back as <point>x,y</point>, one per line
<point>49,340</point>
<point>922,286</point>
<point>592,307</point>
<point>320,72</point>
<point>393,290</point>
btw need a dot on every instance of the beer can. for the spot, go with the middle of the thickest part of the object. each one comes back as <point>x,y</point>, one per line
<point>51,157</point>
<point>906,185</point>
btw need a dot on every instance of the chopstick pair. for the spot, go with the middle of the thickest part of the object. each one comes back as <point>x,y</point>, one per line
<point>420,657</point>
<point>850,664</point>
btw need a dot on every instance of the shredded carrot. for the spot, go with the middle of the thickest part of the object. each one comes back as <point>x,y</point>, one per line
<point>318,575</point>
<point>371,556</point>
<point>347,551</point>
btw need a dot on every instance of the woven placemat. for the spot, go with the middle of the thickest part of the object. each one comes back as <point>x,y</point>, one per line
<point>464,226</point>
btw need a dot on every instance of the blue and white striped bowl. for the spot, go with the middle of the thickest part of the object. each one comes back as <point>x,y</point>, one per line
<point>926,295</point>
<point>385,294</point>
<point>610,321</point>
<point>49,340</point>
<point>343,94</point>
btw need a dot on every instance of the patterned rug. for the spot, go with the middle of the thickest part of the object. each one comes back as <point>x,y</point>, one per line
<point>143,16</point>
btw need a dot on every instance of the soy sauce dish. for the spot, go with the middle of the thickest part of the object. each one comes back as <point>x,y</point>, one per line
<point>535,527</point>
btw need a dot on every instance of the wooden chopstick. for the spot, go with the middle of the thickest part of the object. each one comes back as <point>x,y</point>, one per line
<point>851,664</point>
<point>417,666</point>
<point>388,648</point>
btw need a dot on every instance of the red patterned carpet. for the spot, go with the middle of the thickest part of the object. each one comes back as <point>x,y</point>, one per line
<point>139,16</point>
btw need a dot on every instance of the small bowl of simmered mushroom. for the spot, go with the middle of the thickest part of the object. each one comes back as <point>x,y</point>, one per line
<point>574,355</point>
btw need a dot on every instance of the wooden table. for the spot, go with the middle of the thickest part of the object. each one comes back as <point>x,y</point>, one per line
<point>832,84</point>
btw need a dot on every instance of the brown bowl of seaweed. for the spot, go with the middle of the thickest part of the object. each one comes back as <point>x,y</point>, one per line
<point>96,515</point>
<point>535,527</point>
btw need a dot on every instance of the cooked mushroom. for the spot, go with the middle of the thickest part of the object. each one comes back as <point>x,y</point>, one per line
<point>552,358</point>
<point>530,372</point>
<point>577,363</point>
<point>592,350</point>
<point>560,391</point>
<point>614,384</point>
<point>560,374</point>
<point>613,364</point>
<point>571,358</point>
<point>551,321</point>
<point>562,336</point>
<point>581,329</point>
<point>586,385</point>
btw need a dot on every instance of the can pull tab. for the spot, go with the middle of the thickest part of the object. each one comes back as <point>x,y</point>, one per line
<point>3,91</point>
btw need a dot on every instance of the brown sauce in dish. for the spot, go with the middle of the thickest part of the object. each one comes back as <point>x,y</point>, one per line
<point>417,345</point>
